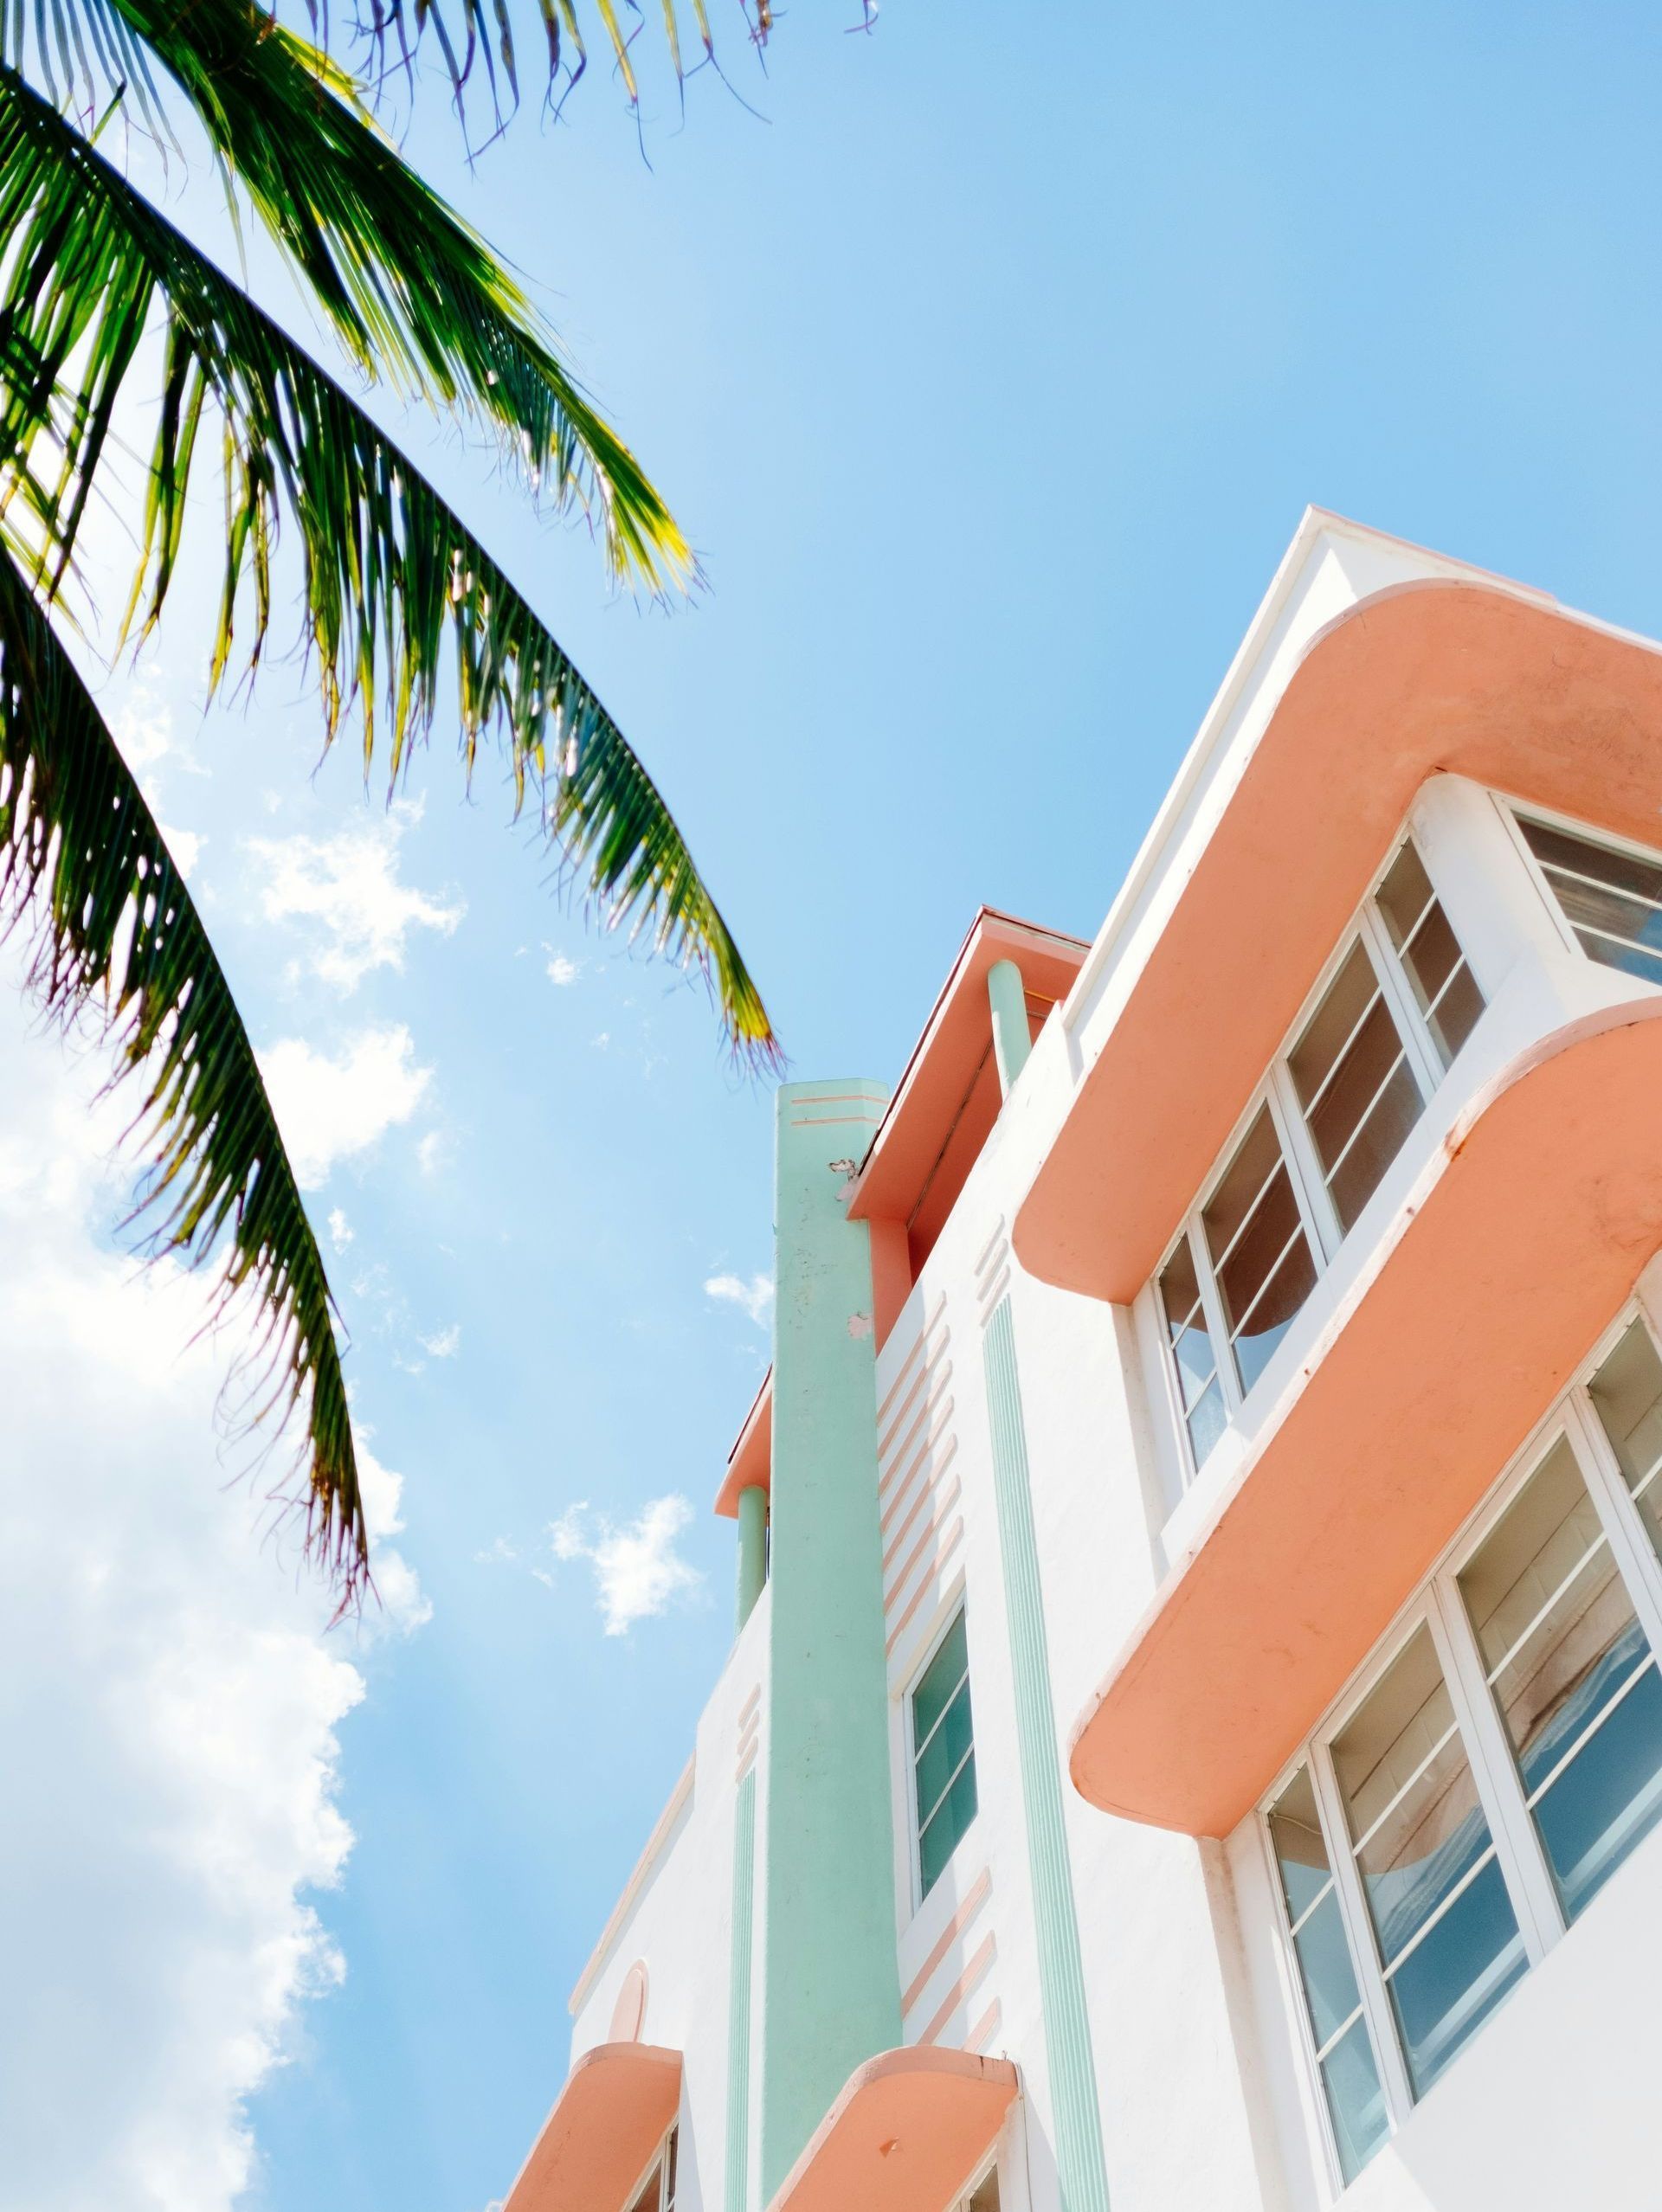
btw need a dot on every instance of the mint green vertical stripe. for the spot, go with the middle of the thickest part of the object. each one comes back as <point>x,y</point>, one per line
<point>1080,2165</point>
<point>830,1980</point>
<point>738,2000</point>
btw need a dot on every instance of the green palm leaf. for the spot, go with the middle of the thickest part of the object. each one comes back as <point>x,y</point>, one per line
<point>395,585</point>
<point>412,291</point>
<point>119,938</point>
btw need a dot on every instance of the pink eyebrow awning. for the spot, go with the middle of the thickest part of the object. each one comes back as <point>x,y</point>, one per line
<point>618,2104</point>
<point>1419,679</point>
<point>1517,1246</point>
<point>905,2134</point>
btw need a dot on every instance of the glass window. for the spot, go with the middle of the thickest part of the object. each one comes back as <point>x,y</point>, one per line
<point>983,2197</point>
<point>1449,1947</point>
<point>1626,1394</point>
<point>1428,952</point>
<point>1360,1099</point>
<point>1200,1386</point>
<point>1572,1673</point>
<point>1345,2051</point>
<point>1612,901</point>
<point>944,1754</point>
<point>1260,1256</point>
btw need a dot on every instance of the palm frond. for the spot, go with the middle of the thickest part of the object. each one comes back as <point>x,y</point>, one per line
<point>118,937</point>
<point>411,289</point>
<point>394,585</point>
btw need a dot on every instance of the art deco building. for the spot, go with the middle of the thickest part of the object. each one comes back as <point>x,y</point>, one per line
<point>1194,1733</point>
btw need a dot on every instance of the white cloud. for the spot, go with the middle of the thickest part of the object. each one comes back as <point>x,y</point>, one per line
<point>754,1297</point>
<point>443,1344</point>
<point>341,1232</point>
<point>170,1686</point>
<point>185,846</point>
<point>563,972</point>
<point>429,1153</point>
<point>348,886</point>
<point>638,1571</point>
<point>330,1109</point>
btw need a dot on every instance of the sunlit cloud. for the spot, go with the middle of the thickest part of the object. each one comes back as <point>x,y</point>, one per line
<point>639,1573</point>
<point>347,886</point>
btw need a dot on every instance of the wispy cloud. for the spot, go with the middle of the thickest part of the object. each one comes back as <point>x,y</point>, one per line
<point>754,1297</point>
<point>332,1109</point>
<point>562,970</point>
<point>443,1344</point>
<point>341,1232</point>
<point>348,887</point>
<point>638,1571</point>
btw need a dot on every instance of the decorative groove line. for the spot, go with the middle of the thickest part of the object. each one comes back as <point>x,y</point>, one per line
<point>930,1464</point>
<point>944,1503</point>
<point>736,2196</point>
<point>931,1379</point>
<point>918,1344</point>
<point>973,1975</point>
<point>980,1890</point>
<point>944,1491</point>
<point>982,2033</point>
<point>948,1545</point>
<point>943,1413</point>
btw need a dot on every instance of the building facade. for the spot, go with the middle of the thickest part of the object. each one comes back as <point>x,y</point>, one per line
<point>1193,1733</point>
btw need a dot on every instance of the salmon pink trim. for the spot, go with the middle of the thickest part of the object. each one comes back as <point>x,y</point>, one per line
<point>614,2110</point>
<point>1516,1248</point>
<point>907,2132</point>
<point>1423,678</point>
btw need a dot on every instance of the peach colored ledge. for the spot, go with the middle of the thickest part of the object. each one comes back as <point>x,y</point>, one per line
<point>1516,1248</point>
<point>908,2130</point>
<point>614,2110</point>
<point>749,1463</point>
<point>1419,679</point>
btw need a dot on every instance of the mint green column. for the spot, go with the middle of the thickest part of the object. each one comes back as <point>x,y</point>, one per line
<point>1012,1038</point>
<point>1079,2163</point>
<point>737,2195</point>
<point>831,1990</point>
<point>752,1548</point>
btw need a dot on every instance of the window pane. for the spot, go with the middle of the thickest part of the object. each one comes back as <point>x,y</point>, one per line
<point>938,1680</point>
<point>1354,1082</point>
<point>1300,1850</point>
<point>946,1827</point>
<point>1429,952</point>
<point>1259,1251</point>
<point>939,1760</point>
<point>1561,1645</point>
<point>944,1777</point>
<point>1325,1969</point>
<point>984,2196</point>
<point>1626,1393</point>
<point>1447,1937</point>
<point>1193,1357</point>
<point>1355,2100</point>
<point>1610,899</point>
<point>1350,2078</point>
<point>651,2192</point>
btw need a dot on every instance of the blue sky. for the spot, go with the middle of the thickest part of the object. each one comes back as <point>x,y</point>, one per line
<point>989,375</point>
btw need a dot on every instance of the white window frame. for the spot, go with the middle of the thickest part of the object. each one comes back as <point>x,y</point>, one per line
<point>957,1604</point>
<point>1515,813</point>
<point>961,2202</point>
<point>1277,1090</point>
<point>1435,1604</point>
<point>660,2159</point>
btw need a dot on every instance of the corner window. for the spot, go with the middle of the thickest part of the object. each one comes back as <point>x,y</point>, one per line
<point>1457,1818</point>
<point>942,1755</point>
<point>1337,1108</point>
<point>1612,900</point>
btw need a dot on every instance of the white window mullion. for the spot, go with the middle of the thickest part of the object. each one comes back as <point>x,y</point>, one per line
<point>1535,1898</point>
<point>1359,1934</point>
<point>1630,1543</point>
<point>1212,1307</point>
<point>1309,1191</point>
<point>1418,1042</point>
<point>1312,2094</point>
